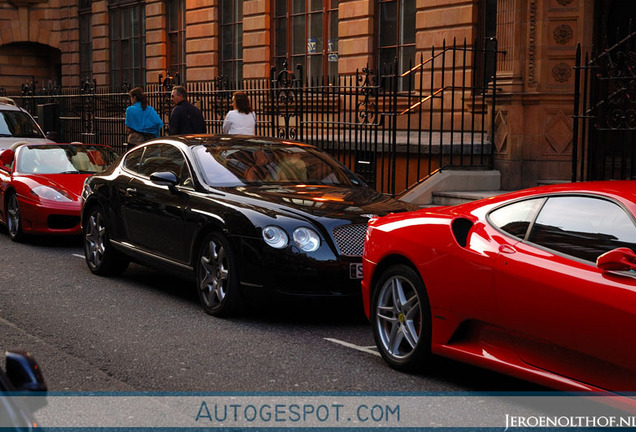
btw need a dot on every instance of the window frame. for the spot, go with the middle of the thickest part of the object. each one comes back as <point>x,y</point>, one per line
<point>121,72</point>
<point>399,44</point>
<point>176,39</point>
<point>85,13</point>
<point>234,62</point>
<point>326,50</point>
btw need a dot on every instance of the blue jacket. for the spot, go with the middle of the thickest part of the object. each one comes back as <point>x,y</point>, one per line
<point>143,120</point>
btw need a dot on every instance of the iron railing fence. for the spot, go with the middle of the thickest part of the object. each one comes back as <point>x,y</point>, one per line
<point>604,122</point>
<point>392,128</point>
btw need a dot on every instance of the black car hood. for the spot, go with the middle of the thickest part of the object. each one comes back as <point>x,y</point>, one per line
<point>320,200</point>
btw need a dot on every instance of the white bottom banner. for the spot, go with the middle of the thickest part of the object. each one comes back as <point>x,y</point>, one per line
<point>328,411</point>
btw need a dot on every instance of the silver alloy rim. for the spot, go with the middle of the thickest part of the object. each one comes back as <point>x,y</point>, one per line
<point>95,239</point>
<point>399,317</point>
<point>214,274</point>
<point>14,216</point>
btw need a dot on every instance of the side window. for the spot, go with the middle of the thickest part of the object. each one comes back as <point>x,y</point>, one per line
<point>516,218</point>
<point>133,160</point>
<point>175,162</point>
<point>162,157</point>
<point>583,227</point>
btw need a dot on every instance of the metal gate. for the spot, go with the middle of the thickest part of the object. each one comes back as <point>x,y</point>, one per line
<point>605,113</point>
<point>392,127</point>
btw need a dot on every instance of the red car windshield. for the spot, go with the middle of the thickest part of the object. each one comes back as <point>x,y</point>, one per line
<point>63,159</point>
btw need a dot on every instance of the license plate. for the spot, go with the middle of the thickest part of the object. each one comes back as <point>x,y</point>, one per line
<point>355,271</point>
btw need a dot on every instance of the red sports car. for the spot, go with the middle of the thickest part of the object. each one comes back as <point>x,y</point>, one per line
<point>539,284</point>
<point>41,186</point>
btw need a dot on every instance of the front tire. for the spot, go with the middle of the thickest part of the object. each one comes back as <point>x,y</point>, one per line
<point>401,318</point>
<point>217,281</point>
<point>100,256</point>
<point>14,221</point>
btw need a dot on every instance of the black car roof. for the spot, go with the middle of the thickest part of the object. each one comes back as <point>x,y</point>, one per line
<point>214,139</point>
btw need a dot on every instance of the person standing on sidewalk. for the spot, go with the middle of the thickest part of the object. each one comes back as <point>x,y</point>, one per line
<point>142,121</point>
<point>242,119</point>
<point>185,117</point>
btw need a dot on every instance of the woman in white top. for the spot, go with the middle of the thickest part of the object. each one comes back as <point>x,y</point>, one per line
<point>242,119</point>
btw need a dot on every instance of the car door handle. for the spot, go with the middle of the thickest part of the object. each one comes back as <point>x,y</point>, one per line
<point>131,192</point>
<point>507,249</point>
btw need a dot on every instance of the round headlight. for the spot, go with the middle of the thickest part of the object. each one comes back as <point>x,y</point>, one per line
<point>275,236</point>
<point>306,239</point>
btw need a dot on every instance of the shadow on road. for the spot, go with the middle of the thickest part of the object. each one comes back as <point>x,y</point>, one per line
<point>273,309</point>
<point>50,241</point>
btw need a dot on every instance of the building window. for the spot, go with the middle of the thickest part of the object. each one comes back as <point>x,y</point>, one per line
<point>175,17</point>
<point>231,43</point>
<point>396,34</point>
<point>306,33</point>
<point>127,42</point>
<point>86,40</point>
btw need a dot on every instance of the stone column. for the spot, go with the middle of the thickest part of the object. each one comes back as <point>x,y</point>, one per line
<point>256,38</point>
<point>156,40</point>
<point>101,43</point>
<point>533,126</point>
<point>355,35</point>
<point>202,41</point>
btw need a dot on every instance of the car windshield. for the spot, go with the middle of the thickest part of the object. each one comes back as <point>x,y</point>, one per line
<point>63,158</point>
<point>235,165</point>
<point>18,124</point>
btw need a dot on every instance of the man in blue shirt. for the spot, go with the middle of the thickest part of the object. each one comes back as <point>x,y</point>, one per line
<point>185,117</point>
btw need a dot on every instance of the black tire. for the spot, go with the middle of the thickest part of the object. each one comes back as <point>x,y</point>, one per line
<point>217,281</point>
<point>401,318</point>
<point>100,256</point>
<point>14,220</point>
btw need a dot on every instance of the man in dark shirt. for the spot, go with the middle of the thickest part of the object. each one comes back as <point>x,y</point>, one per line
<point>185,117</point>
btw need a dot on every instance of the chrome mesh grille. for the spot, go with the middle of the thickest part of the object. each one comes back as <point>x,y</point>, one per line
<point>350,239</point>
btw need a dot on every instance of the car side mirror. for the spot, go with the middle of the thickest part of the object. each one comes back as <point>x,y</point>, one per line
<point>164,178</point>
<point>7,156</point>
<point>620,259</point>
<point>25,375</point>
<point>24,372</point>
<point>52,135</point>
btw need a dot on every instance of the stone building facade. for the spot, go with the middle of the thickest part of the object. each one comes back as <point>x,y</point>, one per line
<point>62,42</point>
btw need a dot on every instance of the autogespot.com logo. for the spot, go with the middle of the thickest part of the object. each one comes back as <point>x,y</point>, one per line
<point>570,422</point>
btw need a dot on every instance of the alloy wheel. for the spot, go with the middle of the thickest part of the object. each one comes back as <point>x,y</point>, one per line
<point>214,277</point>
<point>398,317</point>
<point>95,239</point>
<point>13,219</point>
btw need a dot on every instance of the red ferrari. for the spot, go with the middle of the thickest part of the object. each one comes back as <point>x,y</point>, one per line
<point>539,284</point>
<point>41,186</point>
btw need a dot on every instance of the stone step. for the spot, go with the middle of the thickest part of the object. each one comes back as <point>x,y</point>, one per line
<point>445,198</point>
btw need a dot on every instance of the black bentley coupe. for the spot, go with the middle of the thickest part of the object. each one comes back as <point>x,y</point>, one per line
<point>235,213</point>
